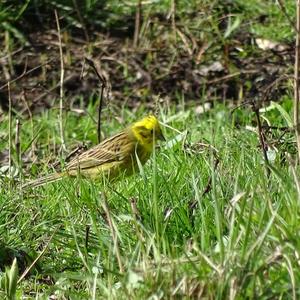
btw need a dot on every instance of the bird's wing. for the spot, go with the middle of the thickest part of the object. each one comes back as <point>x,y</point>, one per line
<point>115,149</point>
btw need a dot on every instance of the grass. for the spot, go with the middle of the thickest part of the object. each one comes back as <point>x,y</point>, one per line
<point>201,220</point>
<point>240,240</point>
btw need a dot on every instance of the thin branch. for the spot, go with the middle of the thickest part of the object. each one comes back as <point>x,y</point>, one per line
<point>229,76</point>
<point>103,85</point>
<point>262,141</point>
<point>61,91</point>
<point>6,57</point>
<point>296,81</point>
<point>50,91</point>
<point>25,73</point>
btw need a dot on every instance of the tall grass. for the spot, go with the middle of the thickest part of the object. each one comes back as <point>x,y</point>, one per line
<point>239,239</point>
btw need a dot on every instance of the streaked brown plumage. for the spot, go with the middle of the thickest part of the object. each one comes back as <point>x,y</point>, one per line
<point>114,156</point>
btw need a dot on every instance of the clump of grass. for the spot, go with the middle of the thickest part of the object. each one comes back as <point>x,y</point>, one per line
<point>237,239</point>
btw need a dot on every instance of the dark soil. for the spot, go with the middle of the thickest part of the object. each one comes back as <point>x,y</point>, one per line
<point>182,68</point>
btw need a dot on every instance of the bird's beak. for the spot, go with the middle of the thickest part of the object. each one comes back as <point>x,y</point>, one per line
<point>160,137</point>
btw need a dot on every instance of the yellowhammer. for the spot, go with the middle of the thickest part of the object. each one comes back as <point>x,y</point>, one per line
<point>114,156</point>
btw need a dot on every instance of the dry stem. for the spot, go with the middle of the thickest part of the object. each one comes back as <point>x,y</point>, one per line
<point>102,87</point>
<point>61,90</point>
<point>137,24</point>
<point>25,73</point>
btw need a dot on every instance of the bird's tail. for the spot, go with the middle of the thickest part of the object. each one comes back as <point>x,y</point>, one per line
<point>44,180</point>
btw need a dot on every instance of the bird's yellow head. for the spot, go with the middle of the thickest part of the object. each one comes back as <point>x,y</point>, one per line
<point>147,131</point>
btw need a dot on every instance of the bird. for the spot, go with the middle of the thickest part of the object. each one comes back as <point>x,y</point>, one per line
<point>119,154</point>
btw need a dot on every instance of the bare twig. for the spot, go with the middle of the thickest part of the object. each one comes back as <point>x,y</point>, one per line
<point>61,91</point>
<point>113,232</point>
<point>296,81</point>
<point>7,56</point>
<point>137,24</point>
<point>103,86</point>
<point>229,76</point>
<point>25,73</point>
<point>263,144</point>
<point>50,91</point>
